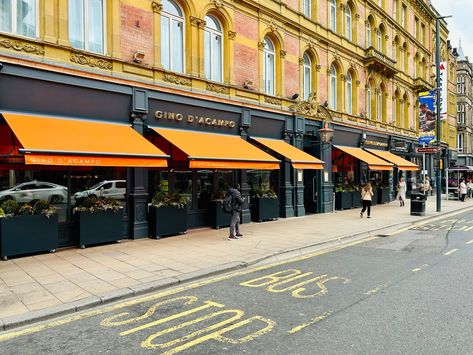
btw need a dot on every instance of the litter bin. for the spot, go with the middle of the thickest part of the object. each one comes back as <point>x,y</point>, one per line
<point>418,204</point>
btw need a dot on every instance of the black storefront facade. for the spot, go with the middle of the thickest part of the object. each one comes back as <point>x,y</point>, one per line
<point>43,93</point>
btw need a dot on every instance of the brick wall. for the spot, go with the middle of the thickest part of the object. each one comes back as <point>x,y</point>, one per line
<point>246,50</point>
<point>136,33</point>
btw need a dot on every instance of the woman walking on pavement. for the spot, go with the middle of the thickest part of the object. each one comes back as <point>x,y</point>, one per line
<point>463,190</point>
<point>366,195</point>
<point>401,194</point>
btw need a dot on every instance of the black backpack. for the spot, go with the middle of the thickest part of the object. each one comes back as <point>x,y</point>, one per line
<point>227,204</point>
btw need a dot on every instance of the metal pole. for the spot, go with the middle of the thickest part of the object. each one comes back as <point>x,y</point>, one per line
<point>438,179</point>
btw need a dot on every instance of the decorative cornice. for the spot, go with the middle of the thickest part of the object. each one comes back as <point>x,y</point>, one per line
<point>273,25</point>
<point>312,108</point>
<point>231,35</point>
<point>220,89</point>
<point>91,61</point>
<point>174,79</point>
<point>157,8</point>
<point>197,22</point>
<point>312,43</point>
<point>272,100</point>
<point>21,46</point>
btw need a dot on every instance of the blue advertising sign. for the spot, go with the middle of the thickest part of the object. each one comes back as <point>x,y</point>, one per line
<point>427,116</point>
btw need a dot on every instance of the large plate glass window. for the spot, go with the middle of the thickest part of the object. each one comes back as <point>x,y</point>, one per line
<point>86,25</point>
<point>172,37</point>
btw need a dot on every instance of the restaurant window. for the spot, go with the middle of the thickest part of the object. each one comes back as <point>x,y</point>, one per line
<point>183,184</point>
<point>86,25</point>
<point>213,55</point>
<point>172,37</point>
<point>269,67</point>
<point>19,17</point>
<point>261,181</point>
<point>307,76</point>
<point>224,181</point>
<point>204,188</point>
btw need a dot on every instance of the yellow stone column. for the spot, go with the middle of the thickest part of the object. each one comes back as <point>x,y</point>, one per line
<point>157,8</point>
<point>63,23</point>
<point>230,60</point>
<point>48,25</point>
<point>195,44</point>
<point>113,29</point>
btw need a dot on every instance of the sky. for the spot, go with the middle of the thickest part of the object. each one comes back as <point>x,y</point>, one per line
<point>460,25</point>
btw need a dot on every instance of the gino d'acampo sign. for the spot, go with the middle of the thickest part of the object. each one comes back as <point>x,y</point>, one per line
<point>194,119</point>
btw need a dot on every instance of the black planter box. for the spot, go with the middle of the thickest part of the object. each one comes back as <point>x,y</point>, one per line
<point>99,227</point>
<point>219,217</point>
<point>167,220</point>
<point>383,196</point>
<point>264,209</point>
<point>356,199</point>
<point>343,200</point>
<point>27,234</point>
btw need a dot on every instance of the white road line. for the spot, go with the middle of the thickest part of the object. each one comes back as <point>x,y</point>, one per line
<point>422,267</point>
<point>469,229</point>
<point>470,242</point>
<point>450,252</point>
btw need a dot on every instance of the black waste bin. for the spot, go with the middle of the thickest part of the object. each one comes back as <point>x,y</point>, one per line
<point>418,204</point>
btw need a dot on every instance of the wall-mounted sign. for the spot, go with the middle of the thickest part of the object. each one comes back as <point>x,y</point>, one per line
<point>375,144</point>
<point>191,119</point>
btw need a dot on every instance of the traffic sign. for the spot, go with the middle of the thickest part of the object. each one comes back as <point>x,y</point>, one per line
<point>428,150</point>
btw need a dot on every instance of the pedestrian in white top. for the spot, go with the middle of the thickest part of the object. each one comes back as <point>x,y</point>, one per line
<point>463,190</point>
<point>469,185</point>
<point>366,195</point>
<point>401,193</point>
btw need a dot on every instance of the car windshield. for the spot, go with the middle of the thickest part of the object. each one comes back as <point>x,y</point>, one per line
<point>96,185</point>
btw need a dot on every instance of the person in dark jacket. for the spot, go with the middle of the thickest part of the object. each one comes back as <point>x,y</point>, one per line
<point>237,203</point>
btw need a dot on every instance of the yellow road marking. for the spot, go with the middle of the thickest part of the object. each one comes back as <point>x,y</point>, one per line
<point>87,314</point>
<point>450,252</point>
<point>311,322</point>
<point>422,267</point>
<point>470,242</point>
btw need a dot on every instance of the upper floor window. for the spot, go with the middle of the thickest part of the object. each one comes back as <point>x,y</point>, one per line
<point>461,84</point>
<point>460,142</point>
<point>461,113</point>
<point>172,37</point>
<point>19,17</point>
<point>213,49</point>
<point>86,25</point>
<point>403,15</point>
<point>368,102</point>
<point>395,9</point>
<point>379,36</point>
<point>307,76</point>
<point>269,67</point>
<point>379,103</point>
<point>306,5</point>
<point>333,15</point>
<point>348,31</point>
<point>349,96</point>
<point>333,87</point>
<point>368,34</point>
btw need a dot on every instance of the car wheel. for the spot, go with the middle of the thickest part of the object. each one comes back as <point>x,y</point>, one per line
<point>55,199</point>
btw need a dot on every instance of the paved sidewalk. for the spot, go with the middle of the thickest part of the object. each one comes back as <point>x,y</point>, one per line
<point>36,287</point>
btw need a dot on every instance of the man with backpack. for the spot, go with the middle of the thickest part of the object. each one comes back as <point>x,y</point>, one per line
<point>233,203</point>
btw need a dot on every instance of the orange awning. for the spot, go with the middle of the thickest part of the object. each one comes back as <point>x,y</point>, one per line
<point>69,142</point>
<point>402,164</point>
<point>298,158</point>
<point>218,151</point>
<point>374,163</point>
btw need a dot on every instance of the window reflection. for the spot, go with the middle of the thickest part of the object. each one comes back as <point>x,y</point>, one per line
<point>204,188</point>
<point>183,184</point>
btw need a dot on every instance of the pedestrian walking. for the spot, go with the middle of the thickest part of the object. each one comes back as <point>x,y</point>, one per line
<point>366,195</point>
<point>236,204</point>
<point>427,186</point>
<point>401,193</point>
<point>463,190</point>
<point>469,186</point>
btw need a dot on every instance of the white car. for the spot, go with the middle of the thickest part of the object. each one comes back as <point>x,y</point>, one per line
<point>109,188</point>
<point>32,190</point>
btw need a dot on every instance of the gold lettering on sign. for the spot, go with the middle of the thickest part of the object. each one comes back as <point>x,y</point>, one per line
<point>376,144</point>
<point>200,120</point>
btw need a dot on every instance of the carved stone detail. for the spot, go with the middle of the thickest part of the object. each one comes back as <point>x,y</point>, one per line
<point>231,34</point>
<point>220,89</point>
<point>218,3</point>
<point>91,61</point>
<point>261,45</point>
<point>318,67</point>
<point>283,53</point>
<point>272,100</point>
<point>311,107</point>
<point>157,8</point>
<point>174,79</point>
<point>197,22</point>
<point>273,25</point>
<point>301,61</point>
<point>21,46</point>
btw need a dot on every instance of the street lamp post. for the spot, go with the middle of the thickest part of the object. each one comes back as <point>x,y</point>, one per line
<point>438,179</point>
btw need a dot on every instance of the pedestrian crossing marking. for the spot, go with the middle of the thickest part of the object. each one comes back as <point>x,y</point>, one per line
<point>470,242</point>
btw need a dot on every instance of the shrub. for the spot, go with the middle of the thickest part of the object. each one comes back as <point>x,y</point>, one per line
<point>168,199</point>
<point>264,193</point>
<point>93,204</point>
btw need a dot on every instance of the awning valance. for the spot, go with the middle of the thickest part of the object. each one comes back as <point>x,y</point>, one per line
<point>218,151</point>
<point>73,142</point>
<point>401,164</point>
<point>373,162</point>
<point>298,158</point>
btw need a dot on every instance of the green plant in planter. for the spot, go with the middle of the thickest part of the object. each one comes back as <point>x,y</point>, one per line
<point>259,193</point>
<point>10,207</point>
<point>93,204</point>
<point>168,199</point>
<point>219,196</point>
<point>341,188</point>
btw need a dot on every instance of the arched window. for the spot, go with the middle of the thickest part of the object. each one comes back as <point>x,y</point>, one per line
<point>416,65</point>
<point>349,96</point>
<point>269,67</point>
<point>172,37</point>
<point>307,76</point>
<point>348,23</point>
<point>333,15</point>
<point>406,111</point>
<point>368,102</point>
<point>368,34</point>
<point>401,112</point>
<point>379,101</point>
<point>333,87</point>
<point>213,51</point>
<point>379,36</point>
